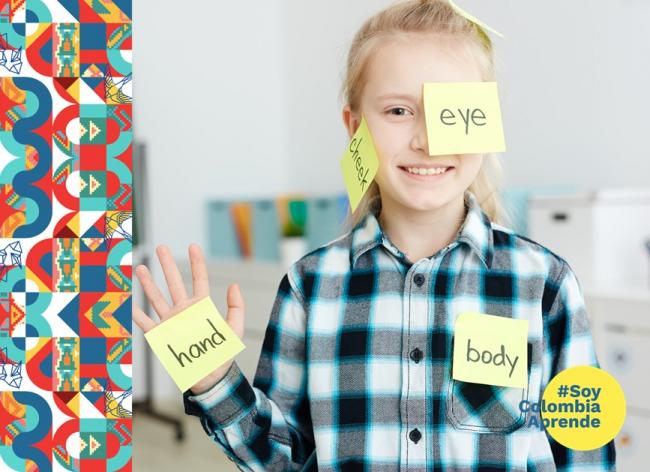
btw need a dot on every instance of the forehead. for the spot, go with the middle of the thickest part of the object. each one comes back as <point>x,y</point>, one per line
<point>402,65</point>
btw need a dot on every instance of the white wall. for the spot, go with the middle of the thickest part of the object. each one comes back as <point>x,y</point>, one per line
<point>241,98</point>
<point>210,90</point>
<point>210,87</point>
<point>574,76</point>
<point>318,37</point>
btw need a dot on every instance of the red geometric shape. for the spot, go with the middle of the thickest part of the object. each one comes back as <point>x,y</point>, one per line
<point>93,157</point>
<point>62,86</point>
<point>64,229</point>
<point>41,253</point>
<point>62,399</point>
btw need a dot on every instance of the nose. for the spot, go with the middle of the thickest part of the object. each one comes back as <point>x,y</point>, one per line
<point>419,141</point>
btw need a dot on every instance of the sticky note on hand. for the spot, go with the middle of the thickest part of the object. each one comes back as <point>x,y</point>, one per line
<point>193,343</point>
<point>463,118</point>
<point>490,350</point>
<point>359,164</point>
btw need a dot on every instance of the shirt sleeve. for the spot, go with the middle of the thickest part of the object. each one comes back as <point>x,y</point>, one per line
<point>569,343</point>
<point>265,426</point>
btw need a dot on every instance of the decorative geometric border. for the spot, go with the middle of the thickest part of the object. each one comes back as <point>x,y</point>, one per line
<point>65,235</point>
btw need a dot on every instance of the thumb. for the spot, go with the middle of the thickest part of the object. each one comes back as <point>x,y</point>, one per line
<point>235,315</point>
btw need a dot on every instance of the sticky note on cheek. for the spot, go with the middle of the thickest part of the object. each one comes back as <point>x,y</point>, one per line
<point>193,343</point>
<point>359,164</point>
<point>463,118</point>
<point>490,350</point>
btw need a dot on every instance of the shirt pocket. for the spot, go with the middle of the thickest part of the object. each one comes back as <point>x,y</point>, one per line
<point>486,408</point>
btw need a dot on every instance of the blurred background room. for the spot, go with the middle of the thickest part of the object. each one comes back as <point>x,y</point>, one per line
<point>239,135</point>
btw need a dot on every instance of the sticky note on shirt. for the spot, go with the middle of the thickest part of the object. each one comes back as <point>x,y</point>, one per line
<point>463,118</point>
<point>359,164</point>
<point>193,343</point>
<point>490,350</point>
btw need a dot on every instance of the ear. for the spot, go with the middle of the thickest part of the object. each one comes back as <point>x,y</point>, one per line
<point>351,120</point>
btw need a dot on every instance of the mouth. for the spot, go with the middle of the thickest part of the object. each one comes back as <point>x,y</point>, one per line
<point>427,173</point>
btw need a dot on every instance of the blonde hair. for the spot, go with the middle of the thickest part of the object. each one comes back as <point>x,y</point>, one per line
<point>424,16</point>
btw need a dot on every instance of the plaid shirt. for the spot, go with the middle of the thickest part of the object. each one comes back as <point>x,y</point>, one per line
<point>355,368</point>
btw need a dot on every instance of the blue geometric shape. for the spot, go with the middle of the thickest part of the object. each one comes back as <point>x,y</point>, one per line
<point>93,278</point>
<point>93,232</point>
<point>46,52</point>
<point>123,314</point>
<point>31,17</point>
<point>125,6</point>
<point>46,366</point>
<point>72,6</point>
<point>92,36</point>
<point>46,262</point>
<point>92,350</point>
<point>70,314</point>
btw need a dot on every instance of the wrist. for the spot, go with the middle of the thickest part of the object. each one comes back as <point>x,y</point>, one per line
<point>207,383</point>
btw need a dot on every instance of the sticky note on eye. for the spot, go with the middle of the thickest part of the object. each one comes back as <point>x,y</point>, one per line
<point>193,343</point>
<point>463,118</point>
<point>359,164</point>
<point>490,350</point>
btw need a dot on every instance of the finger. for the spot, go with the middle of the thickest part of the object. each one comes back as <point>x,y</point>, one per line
<point>142,320</point>
<point>155,297</point>
<point>172,275</point>
<point>200,284</point>
<point>235,315</point>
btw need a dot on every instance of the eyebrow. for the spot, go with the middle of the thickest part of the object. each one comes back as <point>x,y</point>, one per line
<point>397,95</point>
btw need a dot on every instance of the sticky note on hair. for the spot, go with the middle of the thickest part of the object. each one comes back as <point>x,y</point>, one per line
<point>463,118</point>
<point>193,343</point>
<point>359,164</point>
<point>473,19</point>
<point>491,350</point>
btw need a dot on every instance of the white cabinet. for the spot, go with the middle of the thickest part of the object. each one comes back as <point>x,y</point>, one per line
<point>601,234</point>
<point>632,443</point>
<point>620,320</point>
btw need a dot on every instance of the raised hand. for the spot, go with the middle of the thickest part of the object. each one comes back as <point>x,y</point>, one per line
<point>181,300</point>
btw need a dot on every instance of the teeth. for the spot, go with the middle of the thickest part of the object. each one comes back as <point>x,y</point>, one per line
<point>423,171</point>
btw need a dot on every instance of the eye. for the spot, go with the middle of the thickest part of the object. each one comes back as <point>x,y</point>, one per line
<point>399,111</point>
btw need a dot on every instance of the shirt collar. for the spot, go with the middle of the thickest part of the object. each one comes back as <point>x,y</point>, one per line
<point>476,232</point>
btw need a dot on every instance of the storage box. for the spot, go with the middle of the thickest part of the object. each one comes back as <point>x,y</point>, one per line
<point>601,234</point>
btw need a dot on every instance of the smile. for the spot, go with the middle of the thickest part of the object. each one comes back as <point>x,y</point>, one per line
<point>426,171</point>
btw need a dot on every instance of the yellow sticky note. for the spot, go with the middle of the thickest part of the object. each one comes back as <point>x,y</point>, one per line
<point>490,350</point>
<point>193,343</point>
<point>359,164</point>
<point>463,118</point>
<point>473,19</point>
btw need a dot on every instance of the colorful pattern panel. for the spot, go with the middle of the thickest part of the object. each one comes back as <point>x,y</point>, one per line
<point>65,235</point>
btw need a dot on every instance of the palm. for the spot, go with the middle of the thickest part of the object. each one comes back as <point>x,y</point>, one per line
<point>181,300</point>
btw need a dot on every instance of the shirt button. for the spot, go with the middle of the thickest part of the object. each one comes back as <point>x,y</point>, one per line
<point>415,435</point>
<point>418,279</point>
<point>416,355</point>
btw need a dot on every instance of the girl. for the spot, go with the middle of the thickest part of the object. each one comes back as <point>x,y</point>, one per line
<point>355,371</point>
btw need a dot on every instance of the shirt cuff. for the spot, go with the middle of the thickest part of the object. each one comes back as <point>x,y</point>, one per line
<point>225,402</point>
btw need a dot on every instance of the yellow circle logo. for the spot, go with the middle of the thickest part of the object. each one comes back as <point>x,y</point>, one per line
<point>583,407</point>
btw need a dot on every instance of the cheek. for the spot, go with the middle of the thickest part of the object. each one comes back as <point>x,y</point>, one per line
<point>389,141</point>
<point>471,164</point>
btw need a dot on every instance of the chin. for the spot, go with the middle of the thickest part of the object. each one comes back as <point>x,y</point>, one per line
<point>425,202</point>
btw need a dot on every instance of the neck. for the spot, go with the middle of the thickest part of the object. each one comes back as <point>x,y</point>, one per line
<point>421,234</point>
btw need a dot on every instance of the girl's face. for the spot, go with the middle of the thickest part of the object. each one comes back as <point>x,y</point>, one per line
<point>392,104</point>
